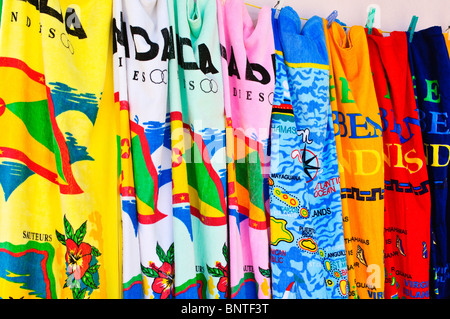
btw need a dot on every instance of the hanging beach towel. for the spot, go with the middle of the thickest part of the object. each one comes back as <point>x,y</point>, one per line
<point>248,85</point>
<point>307,240</point>
<point>430,63</point>
<point>197,118</point>
<point>143,45</point>
<point>407,197</point>
<point>59,214</point>
<point>359,142</point>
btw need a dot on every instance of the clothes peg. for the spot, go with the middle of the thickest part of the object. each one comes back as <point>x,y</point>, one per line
<point>278,6</point>
<point>331,18</point>
<point>412,27</point>
<point>370,19</point>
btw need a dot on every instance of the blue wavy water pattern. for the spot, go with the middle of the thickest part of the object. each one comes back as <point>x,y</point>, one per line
<point>316,274</point>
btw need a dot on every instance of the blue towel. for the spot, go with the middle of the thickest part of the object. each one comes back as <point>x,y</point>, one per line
<point>430,65</point>
<point>307,241</point>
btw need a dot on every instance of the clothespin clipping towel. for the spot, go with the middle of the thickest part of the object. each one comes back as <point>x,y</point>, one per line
<point>331,18</point>
<point>278,6</point>
<point>412,27</point>
<point>370,19</point>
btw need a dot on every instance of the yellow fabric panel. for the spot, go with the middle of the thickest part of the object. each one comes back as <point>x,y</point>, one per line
<point>360,155</point>
<point>35,208</point>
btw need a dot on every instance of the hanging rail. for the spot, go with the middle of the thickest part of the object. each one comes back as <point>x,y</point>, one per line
<point>345,27</point>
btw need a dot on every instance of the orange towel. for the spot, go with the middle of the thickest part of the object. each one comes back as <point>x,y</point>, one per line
<point>358,130</point>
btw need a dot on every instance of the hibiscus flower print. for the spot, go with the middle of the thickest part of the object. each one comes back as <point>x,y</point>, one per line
<point>82,267</point>
<point>163,282</point>
<point>221,272</point>
<point>78,258</point>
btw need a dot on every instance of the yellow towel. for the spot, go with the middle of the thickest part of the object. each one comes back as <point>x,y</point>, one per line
<point>59,213</point>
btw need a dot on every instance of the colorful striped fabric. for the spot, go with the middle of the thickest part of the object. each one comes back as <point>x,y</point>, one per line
<point>407,197</point>
<point>199,149</point>
<point>142,36</point>
<point>59,214</point>
<point>196,103</point>
<point>359,141</point>
<point>430,64</point>
<point>248,86</point>
<point>307,240</point>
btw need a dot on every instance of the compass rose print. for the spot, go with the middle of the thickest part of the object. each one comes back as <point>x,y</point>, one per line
<point>309,160</point>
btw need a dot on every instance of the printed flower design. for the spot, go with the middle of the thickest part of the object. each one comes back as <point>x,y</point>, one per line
<point>163,283</point>
<point>78,258</point>
<point>221,272</point>
<point>82,275</point>
<point>222,285</point>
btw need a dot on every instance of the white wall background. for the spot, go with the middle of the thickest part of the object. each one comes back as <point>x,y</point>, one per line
<point>393,15</point>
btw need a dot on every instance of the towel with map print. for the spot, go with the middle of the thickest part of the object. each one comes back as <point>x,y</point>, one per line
<point>430,64</point>
<point>307,240</point>
<point>197,119</point>
<point>249,80</point>
<point>59,214</point>
<point>143,44</point>
<point>359,143</point>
